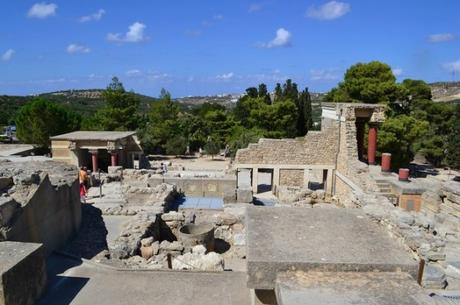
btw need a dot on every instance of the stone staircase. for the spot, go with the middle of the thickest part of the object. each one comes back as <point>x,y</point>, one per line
<point>384,189</point>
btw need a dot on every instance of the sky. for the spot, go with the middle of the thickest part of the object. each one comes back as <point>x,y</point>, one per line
<point>207,47</point>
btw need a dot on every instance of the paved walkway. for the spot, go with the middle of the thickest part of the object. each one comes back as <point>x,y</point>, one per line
<point>73,282</point>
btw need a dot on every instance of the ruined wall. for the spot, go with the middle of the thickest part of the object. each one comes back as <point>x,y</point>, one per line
<point>48,208</point>
<point>209,187</point>
<point>292,177</point>
<point>317,147</point>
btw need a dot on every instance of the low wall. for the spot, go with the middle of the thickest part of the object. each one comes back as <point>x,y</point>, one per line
<point>50,215</point>
<point>199,187</point>
<point>22,273</point>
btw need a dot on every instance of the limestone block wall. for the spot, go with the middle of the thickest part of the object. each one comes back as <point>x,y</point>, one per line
<point>317,147</point>
<point>49,214</point>
<point>292,177</point>
<point>200,187</point>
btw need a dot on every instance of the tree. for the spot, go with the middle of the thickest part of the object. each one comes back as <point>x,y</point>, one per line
<point>119,111</point>
<point>304,117</point>
<point>40,119</point>
<point>176,146</point>
<point>263,93</point>
<point>453,142</point>
<point>212,148</point>
<point>163,124</point>
<point>371,83</point>
<point>278,92</point>
<point>399,136</point>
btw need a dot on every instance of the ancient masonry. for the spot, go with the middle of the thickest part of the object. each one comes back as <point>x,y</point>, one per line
<point>332,153</point>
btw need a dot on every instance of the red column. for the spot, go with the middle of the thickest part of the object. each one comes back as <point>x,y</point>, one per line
<point>94,160</point>
<point>386,162</point>
<point>114,158</point>
<point>372,144</point>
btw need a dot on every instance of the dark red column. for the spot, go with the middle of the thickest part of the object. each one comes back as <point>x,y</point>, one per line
<point>94,160</point>
<point>114,158</point>
<point>371,144</point>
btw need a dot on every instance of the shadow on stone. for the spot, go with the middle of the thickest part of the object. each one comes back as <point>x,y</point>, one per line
<point>92,237</point>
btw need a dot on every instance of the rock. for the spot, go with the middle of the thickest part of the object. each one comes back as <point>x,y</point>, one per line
<point>225,219</point>
<point>433,277</point>
<point>223,233</point>
<point>8,208</point>
<point>320,194</point>
<point>156,247</point>
<point>323,205</point>
<point>424,222</point>
<point>174,246</point>
<point>435,255</point>
<point>304,202</point>
<point>239,239</point>
<point>147,242</point>
<point>237,227</point>
<point>193,261</point>
<point>173,216</point>
<point>399,216</point>
<point>199,249</point>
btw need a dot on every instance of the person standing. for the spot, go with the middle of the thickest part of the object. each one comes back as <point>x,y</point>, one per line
<point>83,177</point>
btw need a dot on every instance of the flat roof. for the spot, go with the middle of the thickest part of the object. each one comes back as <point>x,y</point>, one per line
<point>94,135</point>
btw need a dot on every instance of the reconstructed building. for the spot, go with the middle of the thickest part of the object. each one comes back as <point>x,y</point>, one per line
<point>330,152</point>
<point>97,149</point>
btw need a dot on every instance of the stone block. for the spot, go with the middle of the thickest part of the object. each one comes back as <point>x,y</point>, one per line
<point>114,170</point>
<point>22,273</point>
<point>8,208</point>
<point>5,182</point>
<point>244,195</point>
<point>357,288</point>
<point>281,239</point>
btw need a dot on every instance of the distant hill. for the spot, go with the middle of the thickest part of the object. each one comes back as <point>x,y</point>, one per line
<point>88,101</point>
<point>446,92</point>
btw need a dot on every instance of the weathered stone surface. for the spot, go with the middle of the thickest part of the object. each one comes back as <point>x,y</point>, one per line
<point>167,246</point>
<point>147,242</point>
<point>8,208</point>
<point>283,238</point>
<point>433,277</point>
<point>244,195</point>
<point>22,273</point>
<point>350,288</point>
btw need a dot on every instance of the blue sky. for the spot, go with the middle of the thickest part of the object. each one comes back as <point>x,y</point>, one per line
<point>211,47</point>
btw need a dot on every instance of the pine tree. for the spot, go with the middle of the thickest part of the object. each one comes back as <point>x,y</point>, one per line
<point>278,92</point>
<point>453,142</point>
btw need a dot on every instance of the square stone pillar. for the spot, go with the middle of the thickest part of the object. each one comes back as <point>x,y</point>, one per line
<point>329,182</point>
<point>276,177</point>
<point>255,182</point>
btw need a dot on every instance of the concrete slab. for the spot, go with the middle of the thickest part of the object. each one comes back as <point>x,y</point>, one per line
<point>79,283</point>
<point>282,238</point>
<point>347,288</point>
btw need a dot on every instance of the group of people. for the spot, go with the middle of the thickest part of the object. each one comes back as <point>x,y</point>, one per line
<point>84,182</point>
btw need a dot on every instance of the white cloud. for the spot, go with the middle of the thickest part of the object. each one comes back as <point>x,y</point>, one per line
<point>453,66</point>
<point>8,55</point>
<point>75,48</point>
<point>42,10</point>
<point>397,71</point>
<point>441,37</point>
<point>218,17</point>
<point>328,11</point>
<point>135,34</point>
<point>282,39</point>
<point>255,7</point>
<point>133,73</point>
<point>225,76</point>
<point>324,74</point>
<point>96,16</point>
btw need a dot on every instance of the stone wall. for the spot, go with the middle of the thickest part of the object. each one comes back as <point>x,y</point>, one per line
<point>292,177</point>
<point>316,148</point>
<point>22,273</point>
<point>40,207</point>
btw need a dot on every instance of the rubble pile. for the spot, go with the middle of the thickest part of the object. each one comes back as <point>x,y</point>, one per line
<point>303,197</point>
